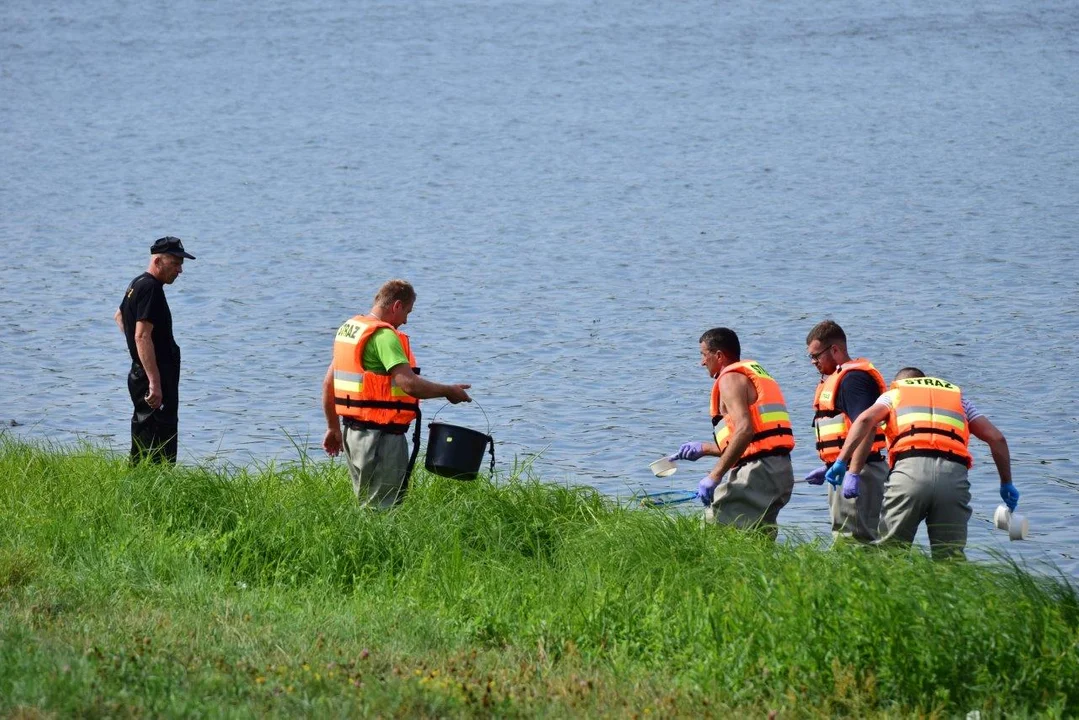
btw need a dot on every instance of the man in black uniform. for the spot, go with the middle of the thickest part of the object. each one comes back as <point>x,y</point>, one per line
<point>154,381</point>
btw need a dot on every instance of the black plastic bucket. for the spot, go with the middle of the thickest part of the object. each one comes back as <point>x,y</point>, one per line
<point>456,452</point>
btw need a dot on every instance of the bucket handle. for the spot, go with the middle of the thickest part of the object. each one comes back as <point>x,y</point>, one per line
<point>491,440</point>
<point>488,433</point>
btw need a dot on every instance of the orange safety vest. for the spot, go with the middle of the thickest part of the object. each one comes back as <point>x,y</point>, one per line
<point>369,399</point>
<point>927,420</point>
<point>831,425</point>
<point>772,432</point>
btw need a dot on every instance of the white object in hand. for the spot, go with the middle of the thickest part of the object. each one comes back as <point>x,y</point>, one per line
<point>663,467</point>
<point>1002,517</point>
<point>1018,527</point>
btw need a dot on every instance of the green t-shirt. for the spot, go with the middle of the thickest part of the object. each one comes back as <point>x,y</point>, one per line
<point>383,352</point>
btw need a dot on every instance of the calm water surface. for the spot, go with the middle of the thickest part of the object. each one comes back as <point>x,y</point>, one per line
<point>577,190</point>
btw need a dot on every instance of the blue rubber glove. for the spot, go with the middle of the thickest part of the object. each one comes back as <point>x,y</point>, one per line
<point>817,476</point>
<point>689,451</point>
<point>1009,495</point>
<point>835,473</point>
<point>850,485</point>
<point>705,489</point>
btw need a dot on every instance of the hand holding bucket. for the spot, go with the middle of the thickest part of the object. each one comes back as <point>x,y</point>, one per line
<point>457,452</point>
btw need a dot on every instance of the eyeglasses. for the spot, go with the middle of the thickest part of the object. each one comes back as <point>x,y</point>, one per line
<point>814,357</point>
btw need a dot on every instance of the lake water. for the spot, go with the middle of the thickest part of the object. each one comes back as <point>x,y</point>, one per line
<point>577,190</point>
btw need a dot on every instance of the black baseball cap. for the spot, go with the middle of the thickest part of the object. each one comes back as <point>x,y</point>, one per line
<point>170,246</point>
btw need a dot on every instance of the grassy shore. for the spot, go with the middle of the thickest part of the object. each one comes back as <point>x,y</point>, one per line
<point>247,592</point>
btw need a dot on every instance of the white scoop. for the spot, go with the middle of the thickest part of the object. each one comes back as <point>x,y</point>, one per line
<point>663,467</point>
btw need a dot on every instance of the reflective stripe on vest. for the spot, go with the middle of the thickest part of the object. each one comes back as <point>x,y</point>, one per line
<point>927,419</point>
<point>832,426</point>
<point>350,382</point>
<point>933,416</point>
<point>372,399</point>
<point>772,432</point>
<point>347,382</point>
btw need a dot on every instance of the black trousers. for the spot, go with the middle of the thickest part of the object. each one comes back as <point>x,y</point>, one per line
<point>154,432</point>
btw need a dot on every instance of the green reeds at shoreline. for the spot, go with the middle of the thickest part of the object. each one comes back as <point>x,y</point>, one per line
<point>200,591</point>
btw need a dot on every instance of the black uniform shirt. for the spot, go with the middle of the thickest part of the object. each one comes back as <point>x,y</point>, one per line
<point>857,391</point>
<point>145,300</point>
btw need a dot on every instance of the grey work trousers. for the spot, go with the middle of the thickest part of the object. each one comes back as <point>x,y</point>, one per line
<point>932,489</point>
<point>859,517</point>
<point>376,462</point>
<point>754,494</point>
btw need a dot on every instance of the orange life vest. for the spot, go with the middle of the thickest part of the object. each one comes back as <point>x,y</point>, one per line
<point>927,419</point>
<point>831,425</point>
<point>369,399</point>
<point>772,433</point>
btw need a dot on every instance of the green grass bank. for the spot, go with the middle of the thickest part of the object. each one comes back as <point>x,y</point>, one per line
<point>253,592</point>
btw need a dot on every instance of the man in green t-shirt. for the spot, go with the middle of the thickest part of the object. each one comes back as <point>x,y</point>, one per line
<point>376,451</point>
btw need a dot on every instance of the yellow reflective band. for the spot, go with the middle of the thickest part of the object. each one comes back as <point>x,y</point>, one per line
<point>775,417</point>
<point>831,424</point>
<point>347,386</point>
<point>722,431</point>
<point>911,418</point>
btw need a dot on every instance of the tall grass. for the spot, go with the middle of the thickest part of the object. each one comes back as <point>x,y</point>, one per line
<point>207,590</point>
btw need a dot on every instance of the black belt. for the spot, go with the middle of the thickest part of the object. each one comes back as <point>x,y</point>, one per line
<point>393,429</point>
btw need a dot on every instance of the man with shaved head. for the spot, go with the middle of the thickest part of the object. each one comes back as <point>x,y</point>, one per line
<point>928,427</point>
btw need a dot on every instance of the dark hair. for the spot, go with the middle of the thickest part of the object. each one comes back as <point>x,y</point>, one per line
<point>394,290</point>
<point>909,372</point>
<point>723,339</point>
<point>827,332</point>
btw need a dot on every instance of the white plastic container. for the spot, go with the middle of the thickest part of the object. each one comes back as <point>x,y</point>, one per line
<point>663,467</point>
<point>1002,517</point>
<point>1018,527</point>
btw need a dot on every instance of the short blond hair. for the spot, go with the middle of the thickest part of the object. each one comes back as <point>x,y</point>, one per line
<point>394,290</point>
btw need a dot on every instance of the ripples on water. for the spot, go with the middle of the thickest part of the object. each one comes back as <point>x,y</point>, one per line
<point>577,190</point>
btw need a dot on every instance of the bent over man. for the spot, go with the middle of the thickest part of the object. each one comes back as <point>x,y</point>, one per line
<point>847,387</point>
<point>753,439</point>
<point>153,382</point>
<point>373,386</point>
<point>929,424</point>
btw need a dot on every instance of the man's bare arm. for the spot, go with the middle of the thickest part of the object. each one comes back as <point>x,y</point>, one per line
<point>735,391</point>
<point>424,389</point>
<point>988,433</point>
<point>859,438</point>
